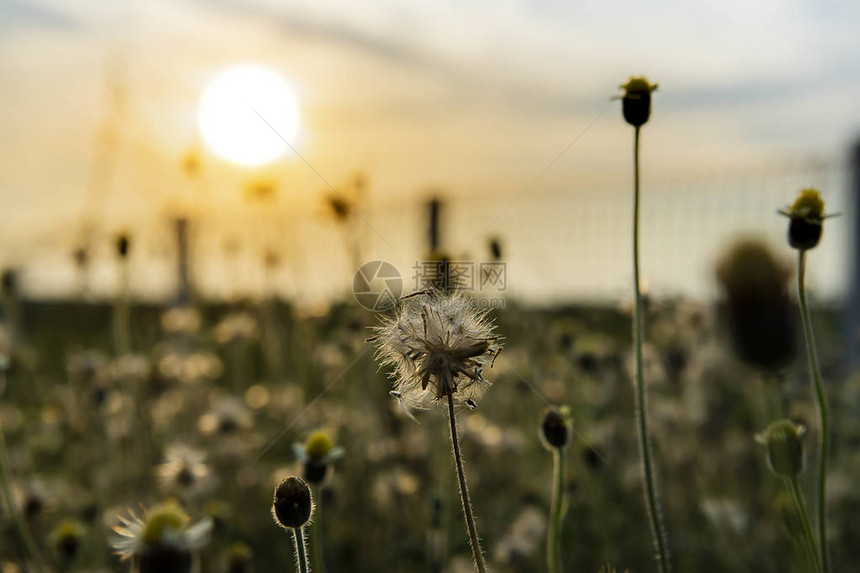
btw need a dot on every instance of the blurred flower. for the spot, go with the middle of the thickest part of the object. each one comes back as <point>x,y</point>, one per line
<point>437,345</point>
<point>181,320</point>
<point>522,540</point>
<point>191,368</point>
<point>239,558</point>
<point>130,368</point>
<point>67,538</point>
<point>84,365</point>
<point>236,328</point>
<point>185,471</point>
<point>756,305</point>
<point>226,416</point>
<point>162,540</point>
<point>317,453</point>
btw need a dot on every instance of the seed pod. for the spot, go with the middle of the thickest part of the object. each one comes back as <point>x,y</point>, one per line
<point>293,504</point>
<point>556,428</point>
<point>784,442</point>
<point>636,101</point>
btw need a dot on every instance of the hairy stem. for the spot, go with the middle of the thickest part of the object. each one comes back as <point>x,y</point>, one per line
<point>474,540</point>
<point>301,550</point>
<point>553,549</point>
<point>793,486</point>
<point>651,498</point>
<point>823,411</point>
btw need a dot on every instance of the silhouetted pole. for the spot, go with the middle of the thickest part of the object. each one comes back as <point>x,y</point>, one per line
<point>183,258</point>
<point>435,213</point>
<point>852,316</point>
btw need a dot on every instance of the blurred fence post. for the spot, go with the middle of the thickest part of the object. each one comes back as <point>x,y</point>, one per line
<point>183,272</point>
<point>434,208</point>
<point>852,314</point>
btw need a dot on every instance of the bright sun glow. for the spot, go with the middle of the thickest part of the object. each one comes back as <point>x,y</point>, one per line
<point>228,116</point>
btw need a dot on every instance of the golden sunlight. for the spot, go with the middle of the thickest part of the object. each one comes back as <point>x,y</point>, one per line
<point>246,113</point>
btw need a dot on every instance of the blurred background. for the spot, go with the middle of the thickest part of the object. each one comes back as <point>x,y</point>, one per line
<point>475,104</point>
<point>190,186</point>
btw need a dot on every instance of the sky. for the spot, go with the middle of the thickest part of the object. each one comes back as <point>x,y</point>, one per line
<point>476,101</point>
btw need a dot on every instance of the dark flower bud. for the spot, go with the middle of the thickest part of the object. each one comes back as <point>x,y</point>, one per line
<point>784,442</point>
<point>556,428</point>
<point>293,504</point>
<point>315,472</point>
<point>239,558</point>
<point>806,218</point>
<point>636,101</point>
<point>67,538</point>
<point>165,560</point>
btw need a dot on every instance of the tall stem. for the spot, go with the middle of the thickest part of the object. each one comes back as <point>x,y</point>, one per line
<point>651,499</point>
<point>14,512</point>
<point>823,411</point>
<point>316,541</point>
<point>553,549</point>
<point>301,549</point>
<point>474,540</point>
<point>809,541</point>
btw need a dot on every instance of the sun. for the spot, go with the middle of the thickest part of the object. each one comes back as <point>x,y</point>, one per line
<point>246,113</point>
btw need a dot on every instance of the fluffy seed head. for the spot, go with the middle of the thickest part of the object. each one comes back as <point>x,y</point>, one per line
<point>293,504</point>
<point>436,344</point>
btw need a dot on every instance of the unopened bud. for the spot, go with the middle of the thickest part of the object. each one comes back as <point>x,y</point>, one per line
<point>293,504</point>
<point>556,427</point>
<point>784,442</point>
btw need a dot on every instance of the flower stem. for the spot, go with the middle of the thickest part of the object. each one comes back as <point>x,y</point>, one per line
<point>793,486</point>
<point>301,550</point>
<point>14,512</point>
<point>316,542</point>
<point>474,541</point>
<point>823,411</point>
<point>651,499</point>
<point>553,549</point>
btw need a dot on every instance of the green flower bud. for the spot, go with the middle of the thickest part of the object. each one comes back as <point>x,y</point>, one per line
<point>293,504</point>
<point>636,101</point>
<point>784,442</point>
<point>556,428</point>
